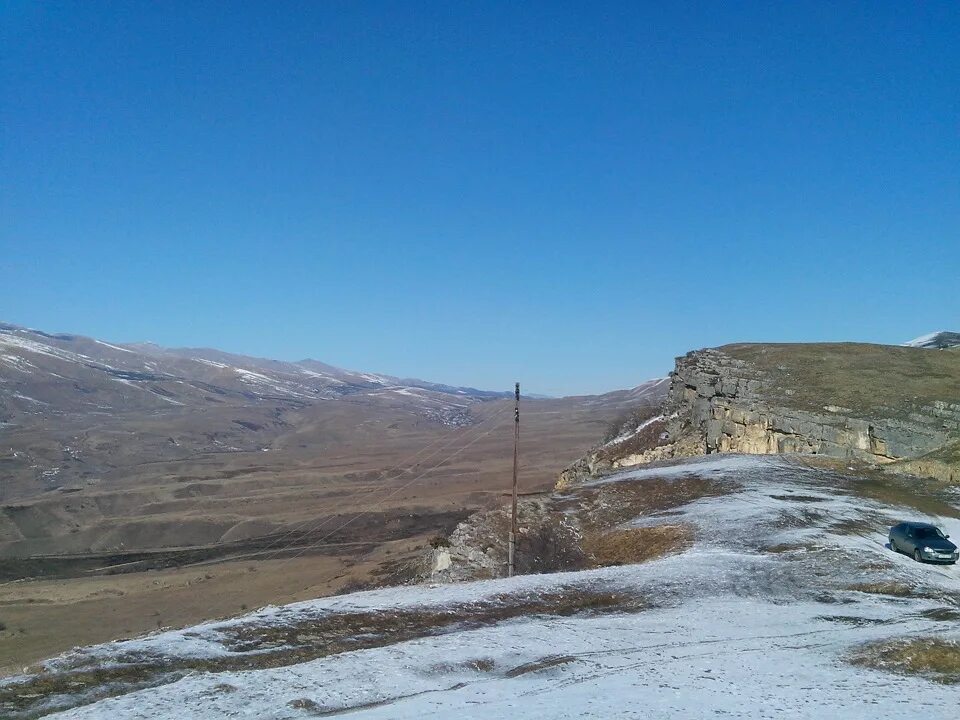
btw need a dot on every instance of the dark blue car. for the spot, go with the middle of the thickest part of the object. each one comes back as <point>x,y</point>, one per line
<point>923,541</point>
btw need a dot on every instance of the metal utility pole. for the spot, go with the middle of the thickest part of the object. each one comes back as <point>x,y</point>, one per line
<point>512,542</point>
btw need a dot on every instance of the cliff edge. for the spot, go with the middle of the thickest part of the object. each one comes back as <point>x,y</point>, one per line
<point>884,405</point>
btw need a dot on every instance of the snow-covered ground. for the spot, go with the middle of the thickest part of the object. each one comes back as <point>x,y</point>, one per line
<point>757,620</point>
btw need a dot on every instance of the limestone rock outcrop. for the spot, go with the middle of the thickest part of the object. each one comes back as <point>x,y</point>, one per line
<point>724,403</point>
<point>883,405</point>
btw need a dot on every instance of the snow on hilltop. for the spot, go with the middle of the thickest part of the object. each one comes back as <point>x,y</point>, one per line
<point>940,340</point>
<point>765,616</point>
<point>75,374</point>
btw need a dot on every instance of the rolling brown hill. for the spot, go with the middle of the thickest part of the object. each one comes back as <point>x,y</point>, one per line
<point>112,448</point>
<point>142,486</point>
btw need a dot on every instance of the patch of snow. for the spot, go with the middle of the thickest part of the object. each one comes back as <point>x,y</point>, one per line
<point>19,363</point>
<point>320,376</point>
<point>28,399</point>
<point>719,464</point>
<point>410,392</point>
<point>924,339</point>
<point>646,387</point>
<point>211,363</point>
<point>252,377</point>
<point>637,430</point>
<point>377,379</point>
<point>114,347</point>
<point>939,339</point>
<point>11,340</point>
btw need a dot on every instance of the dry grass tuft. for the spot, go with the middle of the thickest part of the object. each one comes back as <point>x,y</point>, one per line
<point>781,548</point>
<point>874,380</point>
<point>854,620</point>
<point>941,614</point>
<point>885,588</point>
<point>476,665</point>
<point>481,664</point>
<point>932,657</point>
<point>636,545</point>
<point>542,664</point>
<point>899,590</point>
<point>613,503</point>
<point>875,565</point>
<point>799,498</point>
<point>303,704</point>
<point>855,526</point>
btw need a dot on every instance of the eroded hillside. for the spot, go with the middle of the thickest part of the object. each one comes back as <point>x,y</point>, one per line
<point>143,486</point>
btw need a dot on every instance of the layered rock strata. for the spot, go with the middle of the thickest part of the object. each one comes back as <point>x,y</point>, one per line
<point>722,401</point>
<point>718,403</point>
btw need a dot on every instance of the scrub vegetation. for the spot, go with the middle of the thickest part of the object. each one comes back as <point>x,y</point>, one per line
<point>867,379</point>
<point>934,658</point>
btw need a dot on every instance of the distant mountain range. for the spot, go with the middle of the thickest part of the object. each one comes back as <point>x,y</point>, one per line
<point>43,373</point>
<point>76,410</point>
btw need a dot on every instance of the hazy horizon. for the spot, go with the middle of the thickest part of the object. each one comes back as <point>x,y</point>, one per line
<point>527,389</point>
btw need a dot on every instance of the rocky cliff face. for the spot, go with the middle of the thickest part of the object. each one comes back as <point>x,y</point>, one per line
<point>879,404</point>
<point>724,404</point>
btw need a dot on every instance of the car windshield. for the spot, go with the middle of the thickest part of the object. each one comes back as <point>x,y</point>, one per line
<point>928,533</point>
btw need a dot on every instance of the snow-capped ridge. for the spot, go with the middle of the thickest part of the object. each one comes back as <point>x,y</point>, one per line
<point>939,340</point>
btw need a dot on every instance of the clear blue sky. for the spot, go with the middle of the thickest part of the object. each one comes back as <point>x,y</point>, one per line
<point>569,194</point>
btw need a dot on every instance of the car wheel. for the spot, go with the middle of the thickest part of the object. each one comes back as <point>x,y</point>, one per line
<point>893,545</point>
<point>916,556</point>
